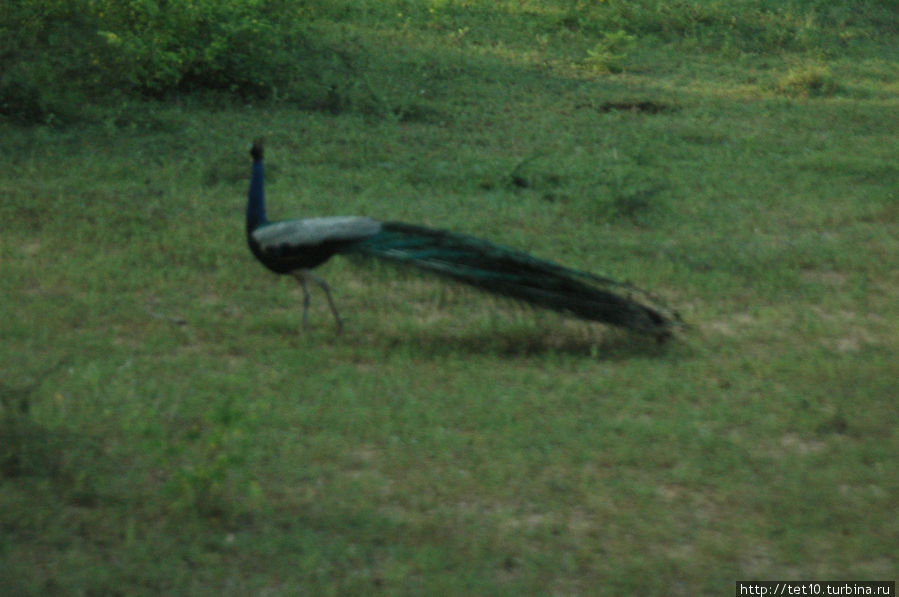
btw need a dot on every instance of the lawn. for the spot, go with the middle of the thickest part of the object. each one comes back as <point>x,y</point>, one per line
<point>167,428</point>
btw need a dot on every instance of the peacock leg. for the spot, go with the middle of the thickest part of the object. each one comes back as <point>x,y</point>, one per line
<point>306,300</point>
<point>324,286</point>
<point>303,276</point>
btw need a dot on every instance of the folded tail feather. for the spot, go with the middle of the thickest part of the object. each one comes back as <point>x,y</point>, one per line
<point>518,275</point>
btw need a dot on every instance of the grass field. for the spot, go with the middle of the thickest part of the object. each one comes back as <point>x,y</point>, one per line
<point>165,428</point>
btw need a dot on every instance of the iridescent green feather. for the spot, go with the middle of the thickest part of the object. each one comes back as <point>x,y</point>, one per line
<point>518,275</point>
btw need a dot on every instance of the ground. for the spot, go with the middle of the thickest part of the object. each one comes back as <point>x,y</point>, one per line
<point>167,428</point>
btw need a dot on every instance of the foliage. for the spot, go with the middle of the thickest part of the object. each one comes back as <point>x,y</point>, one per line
<point>241,46</point>
<point>63,60</point>
<point>808,81</point>
<point>46,58</point>
<point>607,55</point>
<point>58,54</point>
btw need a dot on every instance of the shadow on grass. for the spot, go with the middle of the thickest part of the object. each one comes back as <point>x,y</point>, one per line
<point>68,461</point>
<point>607,345</point>
<point>29,449</point>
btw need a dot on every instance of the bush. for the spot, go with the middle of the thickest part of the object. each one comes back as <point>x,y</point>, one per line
<point>808,81</point>
<point>245,46</point>
<point>67,59</point>
<point>57,56</point>
<point>46,65</point>
<point>610,52</point>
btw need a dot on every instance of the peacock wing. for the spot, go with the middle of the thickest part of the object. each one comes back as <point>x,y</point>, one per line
<point>312,232</point>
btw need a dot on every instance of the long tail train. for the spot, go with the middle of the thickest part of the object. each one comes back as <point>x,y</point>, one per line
<point>517,275</point>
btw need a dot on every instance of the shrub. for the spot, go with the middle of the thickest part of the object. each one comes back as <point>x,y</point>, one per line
<point>242,45</point>
<point>609,53</point>
<point>47,58</point>
<point>808,81</point>
<point>57,56</point>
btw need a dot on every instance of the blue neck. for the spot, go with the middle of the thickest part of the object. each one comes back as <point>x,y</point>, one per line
<point>256,198</point>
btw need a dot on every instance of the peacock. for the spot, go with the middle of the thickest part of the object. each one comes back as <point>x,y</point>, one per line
<point>296,247</point>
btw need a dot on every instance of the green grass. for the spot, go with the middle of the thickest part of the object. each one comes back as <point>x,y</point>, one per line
<point>165,428</point>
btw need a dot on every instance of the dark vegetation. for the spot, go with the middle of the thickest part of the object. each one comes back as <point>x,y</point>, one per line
<point>69,60</point>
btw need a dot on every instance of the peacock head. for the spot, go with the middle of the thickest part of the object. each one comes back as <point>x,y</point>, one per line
<point>256,150</point>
